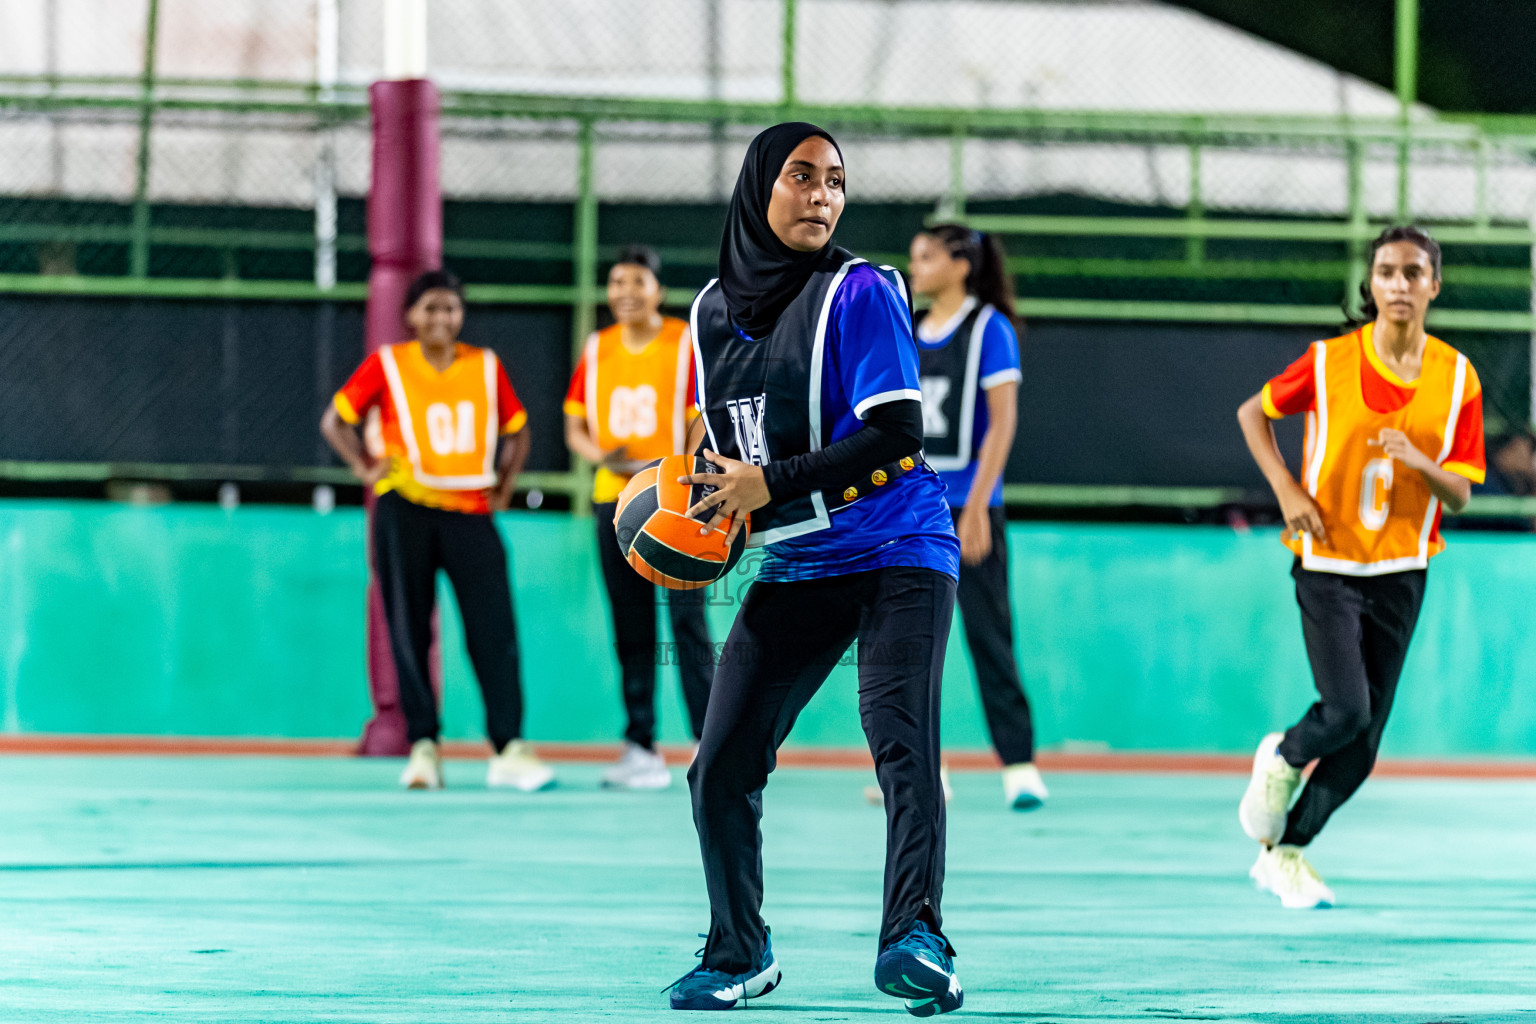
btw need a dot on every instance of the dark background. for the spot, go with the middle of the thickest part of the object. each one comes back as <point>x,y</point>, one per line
<point>220,382</point>
<point>1474,55</point>
<point>244,383</point>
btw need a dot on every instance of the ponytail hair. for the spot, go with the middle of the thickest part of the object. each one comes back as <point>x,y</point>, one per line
<point>988,279</point>
<point>1400,233</point>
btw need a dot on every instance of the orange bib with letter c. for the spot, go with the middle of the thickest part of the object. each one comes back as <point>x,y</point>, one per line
<point>1380,515</point>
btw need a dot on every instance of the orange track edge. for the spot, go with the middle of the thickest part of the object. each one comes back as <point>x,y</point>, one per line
<point>793,757</point>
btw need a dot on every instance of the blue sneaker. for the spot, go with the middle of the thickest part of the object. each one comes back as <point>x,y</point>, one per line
<point>704,989</point>
<point>916,968</point>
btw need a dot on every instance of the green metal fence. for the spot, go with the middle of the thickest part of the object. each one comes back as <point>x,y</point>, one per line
<point>247,186</point>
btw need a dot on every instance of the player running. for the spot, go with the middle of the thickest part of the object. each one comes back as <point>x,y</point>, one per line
<point>1394,433</point>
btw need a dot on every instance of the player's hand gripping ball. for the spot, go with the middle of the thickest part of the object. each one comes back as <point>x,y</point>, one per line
<point>659,539</point>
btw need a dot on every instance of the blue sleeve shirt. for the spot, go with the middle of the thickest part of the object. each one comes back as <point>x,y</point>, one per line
<point>870,359</point>
<point>999,365</point>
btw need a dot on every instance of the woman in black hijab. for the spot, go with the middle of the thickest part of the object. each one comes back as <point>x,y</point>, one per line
<point>807,378</point>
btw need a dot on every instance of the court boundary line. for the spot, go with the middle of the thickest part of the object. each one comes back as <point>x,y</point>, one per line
<point>1153,762</point>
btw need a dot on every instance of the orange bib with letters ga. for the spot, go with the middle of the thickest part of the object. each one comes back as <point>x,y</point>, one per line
<point>446,422</point>
<point>1380,515</point>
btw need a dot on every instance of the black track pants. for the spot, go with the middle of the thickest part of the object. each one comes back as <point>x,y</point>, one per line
<point>632,599</point>
<point>411,543</point>
<point>987,614</point>
<point>1357,630</point>
<point>785,641</point>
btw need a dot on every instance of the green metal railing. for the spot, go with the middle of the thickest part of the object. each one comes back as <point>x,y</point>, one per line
<point>574,486</point>
<point>1197,133</point>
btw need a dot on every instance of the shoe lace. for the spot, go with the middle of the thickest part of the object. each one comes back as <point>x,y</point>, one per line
<point>696,970</point>
<point>923,936</point>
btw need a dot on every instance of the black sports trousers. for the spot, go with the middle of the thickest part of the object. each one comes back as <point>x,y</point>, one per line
<point>632,599</point>
<point>410,544</point>
<point>987,614</point>
<point>786,640</point>
<point>1357,630</point>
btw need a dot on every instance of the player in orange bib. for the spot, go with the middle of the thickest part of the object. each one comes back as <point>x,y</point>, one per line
<point>630,402</point>
<point>444,410</point>
<point>1394,434</point>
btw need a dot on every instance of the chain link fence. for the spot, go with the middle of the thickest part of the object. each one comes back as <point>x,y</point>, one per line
<point>964,56</point>
<point>1123,56</point>
<point>270,160</point>
<point>1143,161</point>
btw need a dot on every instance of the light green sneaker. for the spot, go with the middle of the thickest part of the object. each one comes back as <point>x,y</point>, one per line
<point>1268,798</point>
<point>425,768</point>
<point>518,767</point>
<point>1283,871</point>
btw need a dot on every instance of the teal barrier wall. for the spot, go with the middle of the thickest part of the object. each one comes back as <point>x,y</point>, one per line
<point>192,620</point>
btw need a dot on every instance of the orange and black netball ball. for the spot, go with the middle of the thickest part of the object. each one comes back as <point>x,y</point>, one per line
<point>658,537</point>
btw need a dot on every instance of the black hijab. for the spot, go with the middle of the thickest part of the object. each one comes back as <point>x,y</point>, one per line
<point>760,275</point>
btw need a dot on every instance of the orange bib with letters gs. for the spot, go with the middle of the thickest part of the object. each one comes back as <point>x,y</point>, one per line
<point>447,420</point>
<point>1380,515</point>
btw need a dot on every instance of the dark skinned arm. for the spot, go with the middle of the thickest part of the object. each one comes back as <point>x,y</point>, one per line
<point>348,445</point>
<point>510,457</point>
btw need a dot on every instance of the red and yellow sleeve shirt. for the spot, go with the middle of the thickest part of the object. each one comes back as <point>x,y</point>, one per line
<point>439,428</point>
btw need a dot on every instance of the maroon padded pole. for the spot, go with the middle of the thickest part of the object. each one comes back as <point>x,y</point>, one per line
<point>405,238</point>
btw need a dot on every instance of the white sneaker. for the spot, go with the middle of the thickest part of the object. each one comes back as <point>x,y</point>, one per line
<point>518,767</point>
<point>1268,798</point>
<point>638,769</point>
<point>1023,788</point>
<point>949,793</point>
<point>425,768</point>
<point>1283,871</point>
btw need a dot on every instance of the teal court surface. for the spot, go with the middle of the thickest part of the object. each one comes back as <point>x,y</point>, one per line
<point>310,889</point>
